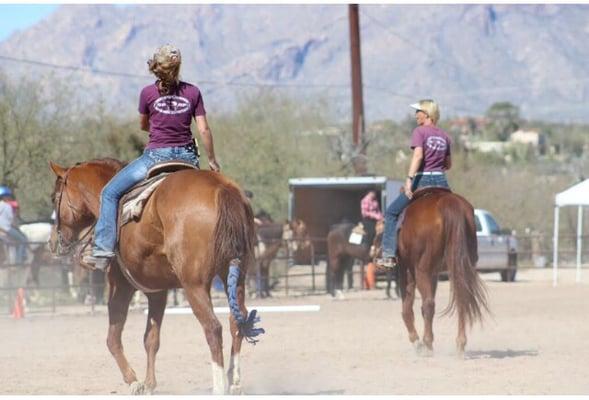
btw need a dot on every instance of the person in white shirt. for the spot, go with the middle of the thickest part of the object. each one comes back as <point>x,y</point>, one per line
<point>14,235</point>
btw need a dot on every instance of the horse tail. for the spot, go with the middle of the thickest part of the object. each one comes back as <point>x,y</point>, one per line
<point>234,247</point>
<point>234,232</point>
<point>469,295</point>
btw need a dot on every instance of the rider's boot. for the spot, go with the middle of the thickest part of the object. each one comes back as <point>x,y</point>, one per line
<point>98,260</point>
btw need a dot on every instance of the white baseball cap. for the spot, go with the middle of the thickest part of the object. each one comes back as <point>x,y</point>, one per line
<point>416,106</point>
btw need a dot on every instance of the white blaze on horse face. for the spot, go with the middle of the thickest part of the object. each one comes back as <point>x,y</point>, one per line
<point>219,379</point>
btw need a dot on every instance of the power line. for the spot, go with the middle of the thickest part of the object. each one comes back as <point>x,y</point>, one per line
<point>491,90</point>
<point>404,39</point>
<point>386,28</point>
<point>71,68</point>
<point>206,82</point>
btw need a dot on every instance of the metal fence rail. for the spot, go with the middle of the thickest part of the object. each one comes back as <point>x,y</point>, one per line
<point>56,291</point>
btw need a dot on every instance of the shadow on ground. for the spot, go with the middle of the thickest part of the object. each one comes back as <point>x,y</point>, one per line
<point>498,354</point>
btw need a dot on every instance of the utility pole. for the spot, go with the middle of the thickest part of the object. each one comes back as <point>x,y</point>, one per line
<point>357,99</point>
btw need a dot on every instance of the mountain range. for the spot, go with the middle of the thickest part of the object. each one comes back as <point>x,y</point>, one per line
<point>465,56</point>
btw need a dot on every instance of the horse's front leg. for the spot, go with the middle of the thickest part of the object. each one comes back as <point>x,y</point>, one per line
<point>200,301</point>
<point>151,339</point>
<point>120,296</point>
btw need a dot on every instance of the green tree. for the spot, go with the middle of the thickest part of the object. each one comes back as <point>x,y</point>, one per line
<point>503,120</point>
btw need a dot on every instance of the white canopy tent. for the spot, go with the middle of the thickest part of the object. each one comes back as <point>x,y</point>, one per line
<point>577,195</point>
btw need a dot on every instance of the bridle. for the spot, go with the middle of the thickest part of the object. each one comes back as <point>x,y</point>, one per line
<point>63,247</point>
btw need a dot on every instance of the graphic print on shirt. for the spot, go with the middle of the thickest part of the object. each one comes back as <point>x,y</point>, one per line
<point>436,143</point>
<point>172,104</point>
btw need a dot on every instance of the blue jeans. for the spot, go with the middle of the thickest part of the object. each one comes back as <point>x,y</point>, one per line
<point>391,216</point>
<point>20,241</point>
<point>105,235</point>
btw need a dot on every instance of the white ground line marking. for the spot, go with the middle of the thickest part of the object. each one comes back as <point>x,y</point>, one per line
<point>261,309</point>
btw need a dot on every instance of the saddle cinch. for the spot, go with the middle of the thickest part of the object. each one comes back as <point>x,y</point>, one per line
<point>132,203</point>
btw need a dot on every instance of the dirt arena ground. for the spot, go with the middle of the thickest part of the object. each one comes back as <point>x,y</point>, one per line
<point>535,343</point>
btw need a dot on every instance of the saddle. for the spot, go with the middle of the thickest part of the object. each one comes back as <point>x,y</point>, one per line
<point>132,203</point>
<point>418,194</point>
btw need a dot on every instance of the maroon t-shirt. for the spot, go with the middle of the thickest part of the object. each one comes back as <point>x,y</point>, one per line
<point>170,115</point>
<point>436,146</point>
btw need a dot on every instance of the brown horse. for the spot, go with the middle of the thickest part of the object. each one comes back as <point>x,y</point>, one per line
<point>341,254</point>
<point>439,234</point>
<point>195,225</point>
<point>271,237</point>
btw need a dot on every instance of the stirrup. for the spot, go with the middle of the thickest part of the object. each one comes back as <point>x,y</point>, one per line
<point>386,262</point>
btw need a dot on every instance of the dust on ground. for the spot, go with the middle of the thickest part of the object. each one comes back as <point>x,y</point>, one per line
<point>534,343</point>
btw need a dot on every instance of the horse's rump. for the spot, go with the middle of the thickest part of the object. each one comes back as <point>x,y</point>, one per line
<point>193,215</point>
<point>440,225</point>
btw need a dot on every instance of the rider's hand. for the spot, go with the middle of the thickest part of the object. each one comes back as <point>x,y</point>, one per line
<point>408,192</point>
<point>214,166</point>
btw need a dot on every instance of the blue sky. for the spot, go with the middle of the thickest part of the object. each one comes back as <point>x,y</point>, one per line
<point>20,16</point>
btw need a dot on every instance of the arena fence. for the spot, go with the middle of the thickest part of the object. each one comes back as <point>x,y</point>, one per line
<point>60,290</point>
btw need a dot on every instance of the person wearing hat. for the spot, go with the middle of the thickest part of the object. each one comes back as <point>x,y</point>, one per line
<point>166,110</point>
<point>431,159</point>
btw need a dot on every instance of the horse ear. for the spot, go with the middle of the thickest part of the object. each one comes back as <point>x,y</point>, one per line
<point>57,170</point>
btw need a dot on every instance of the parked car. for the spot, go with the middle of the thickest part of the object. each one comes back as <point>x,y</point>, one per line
<point>497,247</point>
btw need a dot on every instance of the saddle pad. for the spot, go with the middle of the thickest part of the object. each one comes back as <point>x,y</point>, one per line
<point>357,234</point>
<point>131,204</point>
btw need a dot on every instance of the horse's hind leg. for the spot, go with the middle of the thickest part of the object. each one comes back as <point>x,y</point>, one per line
<point>120,296</point>
<point>234,371</point>
<point>200,301</point>
<point>408,295</point>
<point>151,339</point>
<point>428,306</point>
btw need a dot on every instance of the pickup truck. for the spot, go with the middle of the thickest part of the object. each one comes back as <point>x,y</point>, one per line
<point>497,247</point>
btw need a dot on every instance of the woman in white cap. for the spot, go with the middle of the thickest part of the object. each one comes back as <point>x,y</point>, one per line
<point>431,158</point>
<point>166,110</point>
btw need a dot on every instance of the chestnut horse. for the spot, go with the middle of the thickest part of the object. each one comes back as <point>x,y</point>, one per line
<point>439,234</point>
<point>196,224</point>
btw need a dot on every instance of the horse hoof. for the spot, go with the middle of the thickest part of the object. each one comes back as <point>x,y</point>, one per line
<point>137,388</point>
<point>339,295</point>
<point>422,350</point>
<point>235,390</point>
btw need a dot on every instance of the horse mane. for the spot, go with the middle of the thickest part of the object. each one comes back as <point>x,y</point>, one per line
<point>111,163</point>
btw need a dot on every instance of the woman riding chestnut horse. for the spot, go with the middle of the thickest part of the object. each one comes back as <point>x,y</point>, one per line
<point>438,234</point>
<point>196,224</point>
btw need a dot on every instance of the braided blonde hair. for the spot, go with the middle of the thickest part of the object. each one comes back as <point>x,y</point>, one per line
<point>165,65</point>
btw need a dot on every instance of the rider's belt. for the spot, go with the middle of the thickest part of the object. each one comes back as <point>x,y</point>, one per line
<point>430,173</point>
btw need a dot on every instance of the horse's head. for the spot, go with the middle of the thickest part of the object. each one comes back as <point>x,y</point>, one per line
<point>300,244</point>
<point>75,199</point>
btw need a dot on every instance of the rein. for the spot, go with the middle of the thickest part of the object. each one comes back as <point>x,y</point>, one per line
<point>63,247</point>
